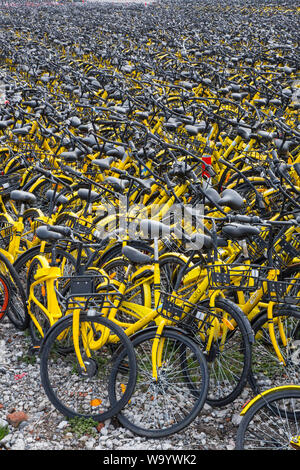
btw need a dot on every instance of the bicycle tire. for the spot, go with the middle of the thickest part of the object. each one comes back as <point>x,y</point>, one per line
<point>17,310</point>
<point>5,296</point>
<point>266,419</point>
<point>145,415</point>
<point>61,392</point>
<point>266,371</point>
<point>229,366</point>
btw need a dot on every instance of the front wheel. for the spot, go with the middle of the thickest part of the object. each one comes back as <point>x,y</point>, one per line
<point>229,355</point>
<point>163,406</point>
<point>85,394</point>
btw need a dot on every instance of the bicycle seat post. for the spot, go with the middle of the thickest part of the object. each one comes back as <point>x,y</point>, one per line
<point>52,201</point>
<point>79,268</point>
<point>53,254</point>
<point>22,208</point>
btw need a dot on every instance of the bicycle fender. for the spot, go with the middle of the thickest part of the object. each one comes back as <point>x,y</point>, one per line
<point>248,405</point>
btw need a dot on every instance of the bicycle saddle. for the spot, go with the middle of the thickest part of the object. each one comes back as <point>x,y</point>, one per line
<point>21,130</point>
<point>232,199</point>
<point>152,229</point>
<point>117,152</point>
<point>239,231</point>
<point>117,183</point>
<point>22,196</point>
<point>135,256</point>
<point>192,130</point>
<point>90,141</point>
<point>75,121</point>
<point>260,102</point>
<point>43,233</point>
<point>212,196</point>
<point>59,198</point>
<point>141,115</point>
<point>187,85</point>
<point>86,194</point>
<point>172,125</point>
<point>103,163</point>
<point>5,124</point>
<point>244,133</point>
<point>264,135</point>
<point>146,183</point>
<point>31,103</point>
<point>238,96</point>
<point>199,241</point>
<point>71,156</point>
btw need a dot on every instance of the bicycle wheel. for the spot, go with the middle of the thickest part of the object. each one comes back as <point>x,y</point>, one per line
<point>17,308</point>
<point>228,361</point>
<point>73,392</point>
<point>266,371</point>
<point>271,422</point>
<point>5,295</point>
<point>30,225</point>
<point>166,406</point>
<point>171,268</point>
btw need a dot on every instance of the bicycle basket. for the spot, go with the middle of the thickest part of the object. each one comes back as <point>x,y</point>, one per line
<point>285,250</point>
<point>6,234</point>
<point>196,319</point>
<point>173,307</point>
<point>90,290</point>
<point>287,291</point>
<point>8,185</point>
<point>234,277</point>
<point>257,246</point>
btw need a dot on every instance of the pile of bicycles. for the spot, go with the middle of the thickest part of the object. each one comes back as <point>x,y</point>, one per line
<point>150,203</point>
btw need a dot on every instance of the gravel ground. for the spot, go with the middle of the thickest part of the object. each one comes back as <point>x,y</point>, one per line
<point>44,428</point>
